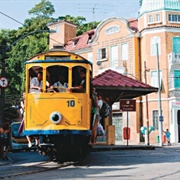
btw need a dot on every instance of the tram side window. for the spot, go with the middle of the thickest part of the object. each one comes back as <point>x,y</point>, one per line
<point>79,79</point>
<point>58,78</point>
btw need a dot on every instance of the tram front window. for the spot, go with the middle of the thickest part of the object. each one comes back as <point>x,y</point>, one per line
<point>58,78</point>
<point>79,80</point>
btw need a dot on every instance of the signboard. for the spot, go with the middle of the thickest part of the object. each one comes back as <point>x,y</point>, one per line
<point>161,118</point>
<point>176,105</point>
<point>3,82</point>
<point>127,105</point>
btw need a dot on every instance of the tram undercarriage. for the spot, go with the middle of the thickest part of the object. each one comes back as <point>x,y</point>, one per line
<point>64,147</point>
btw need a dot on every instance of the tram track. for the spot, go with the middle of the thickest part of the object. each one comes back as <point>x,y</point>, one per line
<point>16,170</point>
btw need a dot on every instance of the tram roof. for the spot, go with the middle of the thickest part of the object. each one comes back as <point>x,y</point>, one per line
<point>115,86</point>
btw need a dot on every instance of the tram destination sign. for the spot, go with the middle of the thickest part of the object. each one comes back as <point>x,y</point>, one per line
<point>128,105</point>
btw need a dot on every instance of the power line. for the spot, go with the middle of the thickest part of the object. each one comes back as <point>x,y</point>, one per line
<point>11,18</point>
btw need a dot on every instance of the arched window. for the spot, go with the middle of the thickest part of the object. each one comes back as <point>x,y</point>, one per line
<point>112,30</point>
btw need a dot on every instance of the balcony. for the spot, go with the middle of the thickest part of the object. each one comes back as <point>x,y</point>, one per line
<point>174,93</point>
<point>174,58</point>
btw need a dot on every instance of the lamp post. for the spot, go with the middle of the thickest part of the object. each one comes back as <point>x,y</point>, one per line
<point>3,70</point>
<point>159,98</point>
<point>147,111</point>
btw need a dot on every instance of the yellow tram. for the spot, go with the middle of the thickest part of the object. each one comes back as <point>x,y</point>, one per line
<point>59,116</point>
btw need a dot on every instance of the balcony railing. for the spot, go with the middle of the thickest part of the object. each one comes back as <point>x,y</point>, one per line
<point>174,58</point>
<point>174,93</point>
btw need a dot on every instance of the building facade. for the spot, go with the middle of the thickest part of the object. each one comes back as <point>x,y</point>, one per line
<point>159,28</point>
<point>135,47</point>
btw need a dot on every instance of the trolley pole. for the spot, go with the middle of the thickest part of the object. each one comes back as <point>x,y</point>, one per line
<point>159,98</point>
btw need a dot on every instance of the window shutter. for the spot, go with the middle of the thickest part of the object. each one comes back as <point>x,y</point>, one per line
<point>114,56</point>
<point>176,78</point>
<point>154,79</point>
<point>124,51</point>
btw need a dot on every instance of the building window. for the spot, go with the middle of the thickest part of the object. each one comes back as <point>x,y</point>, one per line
<point>155,119</point>
<point>90,58</point>
<point>176,78</point>
<point>89,39</point>
<point>112,30</point>
<point>150,19</point>
<point>155,40</point>
<point>57,29</point>
<point>75,42</point>
<point>114,56</point>
<point>124,51</point>
<point>157,17</point>
<point>174,18</point>
<point>176,44</point>
<point>102,54</point>
<point>154,79</point>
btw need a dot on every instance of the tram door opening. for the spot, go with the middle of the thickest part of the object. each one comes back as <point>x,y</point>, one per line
<point>178,121</point>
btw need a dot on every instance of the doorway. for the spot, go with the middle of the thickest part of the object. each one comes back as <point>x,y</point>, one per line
<point>117,122</point>
<point>178,122</point>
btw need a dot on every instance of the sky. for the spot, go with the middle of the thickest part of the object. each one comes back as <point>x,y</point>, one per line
<point>92,10</point>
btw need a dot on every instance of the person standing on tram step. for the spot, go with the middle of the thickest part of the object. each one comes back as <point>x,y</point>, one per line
<point>96,118</point>
<point>21,128</point>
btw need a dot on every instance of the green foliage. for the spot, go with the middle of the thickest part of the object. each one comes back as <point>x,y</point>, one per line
<point>21,49</point>
<point>44,9</point>
<point>24,48</point>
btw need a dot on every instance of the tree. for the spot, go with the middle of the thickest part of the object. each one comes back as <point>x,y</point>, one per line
<point>28,46</point>
<point>33,44</point>
<point>44,9</point>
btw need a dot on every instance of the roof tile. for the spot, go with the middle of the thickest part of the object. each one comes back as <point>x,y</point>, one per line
<point>115,79</point>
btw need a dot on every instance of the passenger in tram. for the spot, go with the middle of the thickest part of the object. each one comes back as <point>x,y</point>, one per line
<point>36,83</point>
<point>60,85</point>
<point>82,86</point>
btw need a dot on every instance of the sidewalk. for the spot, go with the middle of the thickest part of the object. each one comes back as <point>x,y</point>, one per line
<point>105,147</point>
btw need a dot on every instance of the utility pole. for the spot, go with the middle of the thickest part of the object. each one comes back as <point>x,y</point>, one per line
<point>2,98</point>
<point>159,98</point>
<point>147,111</point>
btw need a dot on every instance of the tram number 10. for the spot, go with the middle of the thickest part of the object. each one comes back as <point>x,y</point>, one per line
<point>71,103</point>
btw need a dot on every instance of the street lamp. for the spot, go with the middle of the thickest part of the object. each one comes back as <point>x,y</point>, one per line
<point>2,99</point>
<point>159,98</point>
<point>147,110</point>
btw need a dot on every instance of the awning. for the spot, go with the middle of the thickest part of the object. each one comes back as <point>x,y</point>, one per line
<point>115,86</point>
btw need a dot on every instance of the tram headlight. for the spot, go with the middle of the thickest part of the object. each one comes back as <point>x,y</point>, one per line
<point>55,117</point>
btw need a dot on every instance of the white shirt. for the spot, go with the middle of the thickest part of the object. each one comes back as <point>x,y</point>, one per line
<point>59,84</point>
<point>100,103</point>
<point>35,82</point>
